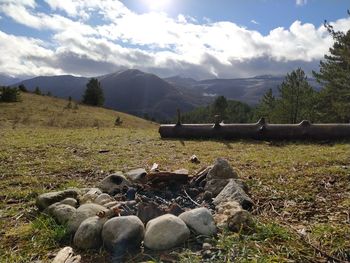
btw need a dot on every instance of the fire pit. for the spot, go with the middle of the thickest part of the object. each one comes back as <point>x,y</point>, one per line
<point>157,210</point>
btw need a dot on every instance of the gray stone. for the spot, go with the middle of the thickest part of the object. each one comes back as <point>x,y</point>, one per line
<point>47,199</point>
<point>221,170</point>
<point>83,212</point>
<point>136,175</point>
<point>113,183</point>
<point>207,246</point>
<point>165,232</point>
<point>90,195</point>
<point>122,235</point>
<point>242,221</point>
<point>88,235</point>
<point>103,199</point>
<point>70,201</point>
<point>219,176</point>
<point>215,186</point>
<point>111,204</point>
<point>233,192</point>
<point>224,210</point>
<point>200,220</point>
<point>62,213</point>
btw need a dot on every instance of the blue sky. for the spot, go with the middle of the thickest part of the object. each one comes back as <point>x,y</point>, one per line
<point>192,38</point>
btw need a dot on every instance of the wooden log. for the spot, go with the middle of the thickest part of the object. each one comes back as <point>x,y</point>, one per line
<point>258,131</point>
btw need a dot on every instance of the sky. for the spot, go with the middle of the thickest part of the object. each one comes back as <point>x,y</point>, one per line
<point>201,39</point>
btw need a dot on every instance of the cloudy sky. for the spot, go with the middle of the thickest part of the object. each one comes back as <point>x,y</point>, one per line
<point>192,38</point>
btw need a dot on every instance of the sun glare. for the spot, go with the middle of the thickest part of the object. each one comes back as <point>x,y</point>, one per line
<point>157,4</point>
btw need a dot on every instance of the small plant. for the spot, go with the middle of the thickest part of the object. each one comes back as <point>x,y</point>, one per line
<point>37,91</point>
<point>69,105</point>
<point>118,121</point>
<point>76,107</point>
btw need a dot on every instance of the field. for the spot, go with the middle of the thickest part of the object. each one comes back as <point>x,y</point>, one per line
<point>301,190</point>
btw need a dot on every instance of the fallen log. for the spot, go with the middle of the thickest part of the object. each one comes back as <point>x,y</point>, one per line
<point>258,131</point>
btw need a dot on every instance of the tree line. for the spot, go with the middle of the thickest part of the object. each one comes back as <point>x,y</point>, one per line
<point>296,99</point>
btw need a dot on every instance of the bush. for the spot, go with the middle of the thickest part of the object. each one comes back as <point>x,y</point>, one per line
<point>8,94</point>
<point>22,88</point>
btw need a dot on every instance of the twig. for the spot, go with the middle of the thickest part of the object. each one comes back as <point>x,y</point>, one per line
<point>187,195</point>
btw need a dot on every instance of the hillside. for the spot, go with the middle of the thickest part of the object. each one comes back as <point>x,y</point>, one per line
<point>130,91</point>
<point>43,111</point>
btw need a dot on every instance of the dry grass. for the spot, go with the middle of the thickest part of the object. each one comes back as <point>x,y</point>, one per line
<point>43,111</point>
<point>296,186</point>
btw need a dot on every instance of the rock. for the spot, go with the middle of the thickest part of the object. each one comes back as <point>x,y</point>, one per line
<point>47,199</point>
<point>241,221</point>
<point>194,159</point>
<point>103,199</point>
<point>113,183</point>
<point>221,170</point>
<point>215,186</point>
<point>233,192</point>
<point>111,204</point>
<point>66,255</point>
<point>62,213</point>
<point>90,195</point>
<point>83,212</point>
<point>165,232</point>
<point>122,235</point>
<point>224,211</point>
<point>200,220</point>
<point>70,201</point>
<point>208,196</point>
<point>206,246</point>
<point>130,194</point>
<point>136,175</point>
<point>88,235</point>
<point>148,211</point>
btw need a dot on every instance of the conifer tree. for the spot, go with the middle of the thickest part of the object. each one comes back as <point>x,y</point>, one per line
<point>334,75</point>
<point>93,94</point>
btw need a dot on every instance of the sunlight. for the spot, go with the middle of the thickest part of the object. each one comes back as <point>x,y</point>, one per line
<point>156,5</point>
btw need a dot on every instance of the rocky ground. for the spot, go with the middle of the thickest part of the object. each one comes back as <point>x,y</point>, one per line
<point>157,210</point>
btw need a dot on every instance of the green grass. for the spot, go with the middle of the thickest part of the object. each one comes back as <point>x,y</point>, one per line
<point>295,185</point>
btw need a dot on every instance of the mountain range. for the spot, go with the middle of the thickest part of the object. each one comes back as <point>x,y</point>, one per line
<point>139,93</point>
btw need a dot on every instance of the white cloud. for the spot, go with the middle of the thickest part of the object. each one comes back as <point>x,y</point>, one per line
<point>153,42</point>
<point>254,22</point>
<point>301,2</point>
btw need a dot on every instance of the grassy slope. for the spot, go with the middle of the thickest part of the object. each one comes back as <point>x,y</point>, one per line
<point>295,185</point>
<point>43,111</point>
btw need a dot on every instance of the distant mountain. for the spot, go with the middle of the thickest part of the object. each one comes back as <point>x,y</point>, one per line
<point>6,80</point>
<point>130,91</point>
<point>139,93</point>
<point>248,90</point>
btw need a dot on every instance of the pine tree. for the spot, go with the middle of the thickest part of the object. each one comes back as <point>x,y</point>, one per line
<point>296,98</point>
<point>334,75</point>
<point>220,106</point>
<point>22,88</point>
<point>267,106</point>
<point>8,94</point>
<point>37,91</point>
<point>93,94</point>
